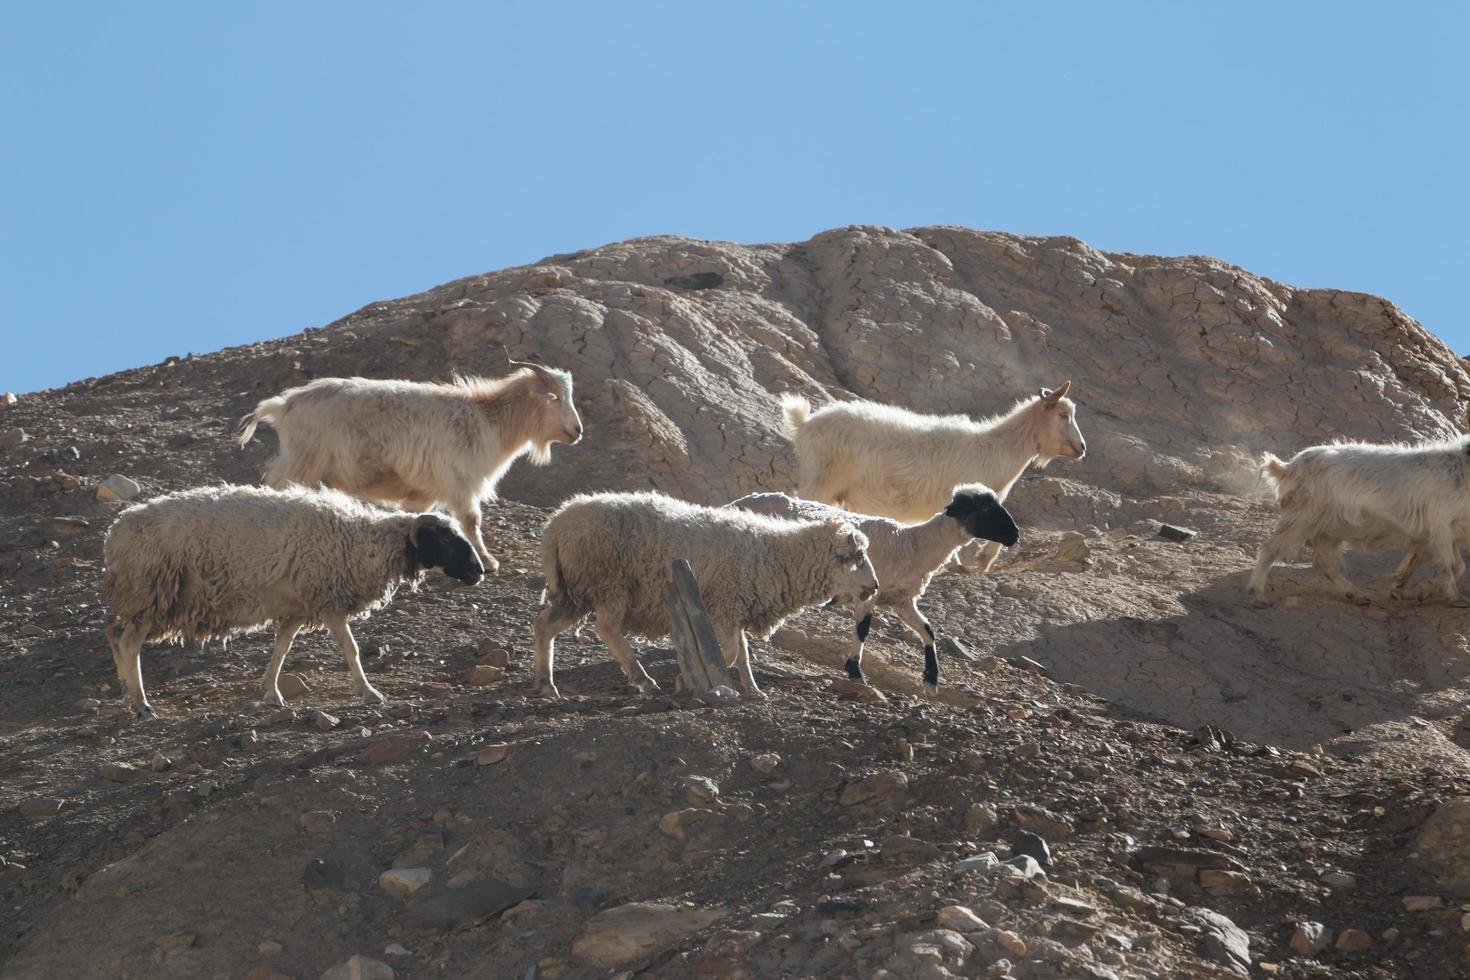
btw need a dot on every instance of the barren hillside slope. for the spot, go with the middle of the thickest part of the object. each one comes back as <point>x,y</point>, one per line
<point>246,838</point>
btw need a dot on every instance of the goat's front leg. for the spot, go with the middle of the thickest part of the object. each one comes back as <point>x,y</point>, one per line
<point>337,626</point>
<point>467,513</point>
<point>1327,559</point>
<point>862,615</point>
<point>914,620</point>
<point>737,641</point>
<point>1401,575</point>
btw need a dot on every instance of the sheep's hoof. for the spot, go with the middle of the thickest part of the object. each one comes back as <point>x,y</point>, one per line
<point>1399,594</point>
<point>754,693</point>
<point>931,688</point>
<point>372,695</point>
<point>492,566</point>
<point>646,686</point>
<point>855,672</point>
<point>273,699</point>
<point>1460,602</point>
<point>548,690</point>
<point>1358,599</point>
<point>1260,602</point>
<point>145,713</point>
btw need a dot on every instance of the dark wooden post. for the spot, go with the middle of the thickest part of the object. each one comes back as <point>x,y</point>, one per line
<point>701,664</point>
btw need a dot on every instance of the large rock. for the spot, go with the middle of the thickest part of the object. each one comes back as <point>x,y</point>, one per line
<point>1222,940</point>
<point>637,929</point>
<point>1443,846</point>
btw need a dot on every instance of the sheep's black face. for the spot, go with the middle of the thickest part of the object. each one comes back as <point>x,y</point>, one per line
<point>440,545</point>
<point>983,516</point>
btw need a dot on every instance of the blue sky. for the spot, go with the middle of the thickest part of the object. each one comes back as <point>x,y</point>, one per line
<point>182,177</point>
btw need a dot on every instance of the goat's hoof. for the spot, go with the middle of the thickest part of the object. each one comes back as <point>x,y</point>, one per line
<point>754,694</point>
<point>646,686</point>
<point>546,689</point>
<point>1359,599</point>
<point>145,713</point>
<point>1399,594</point>
<point>1460,602</point>
<point>854,672</point>
<point>1260,602</point>
<point>492,566</point>
<point>372,696</point>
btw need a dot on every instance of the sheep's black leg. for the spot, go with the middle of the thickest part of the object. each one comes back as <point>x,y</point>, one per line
<point>855,658</point>
<point>915,621</point>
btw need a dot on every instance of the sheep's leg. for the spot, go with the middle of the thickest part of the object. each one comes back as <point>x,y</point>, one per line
<point>914,620</point>
<point>549,622</point>
<point>127,656</point>
<point>626,656</point>
<point>286,631</point>
<point>1401,575</point>
<point>862,615</point>
<point>737,642</point>
<point>1327,559</point>
<point>468,515</point>
<point>340,631</point>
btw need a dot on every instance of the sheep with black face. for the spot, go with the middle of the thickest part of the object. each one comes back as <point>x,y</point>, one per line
<point>905,557</point>
<point>215,561</point>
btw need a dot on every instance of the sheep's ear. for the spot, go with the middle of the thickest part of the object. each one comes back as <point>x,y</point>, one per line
<point>425,537</point>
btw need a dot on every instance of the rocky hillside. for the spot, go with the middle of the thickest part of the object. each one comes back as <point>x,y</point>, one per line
<point>1131,773</point>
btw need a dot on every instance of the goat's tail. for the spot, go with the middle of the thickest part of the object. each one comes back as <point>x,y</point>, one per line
<point>268,411</point>
<point>1272,470</point>
<point>797,410</point>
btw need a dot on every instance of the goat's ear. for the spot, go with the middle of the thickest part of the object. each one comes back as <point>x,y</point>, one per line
<point>1052,397</point>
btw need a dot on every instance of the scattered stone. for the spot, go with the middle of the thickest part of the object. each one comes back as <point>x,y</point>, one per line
<point>981,818</point>
<point>495,657</point>
<point>849,690</point>
<point>766,763</point>
<point>985,861</point>
<point>637,929</point>
<point>1008,941</point>
<point>483,675</point>
<point>909,849</point>
<point>10,438</point>
<point>404,881</point>
<point>248,741</point>
<point>1043,821</point>
<point>388,749</point>
<point>1025,842</point>
<point>875,788</point>
<point>1222,940</point>
<point>359,967</point>
<point>318,821</point>
<point>680,823</point>
<point>833,859</point>
<point>1218,882</point>
<point>699,789</point>
<point>1422,903</point>
<point>122,772</point>
<point>1075,906</point>
<point>397,949</point>
<point>40,808</point>
<point>1354,941</point>
<point>323,721</point>
<point>961,919</point>
<point>1337,879</point>
<point>1310,938</point>
<point>1178,535</point>
<point>266,973</point>
<point>1027,865</point>
<point>1443,846</point>
<point>118,487</point>
<point>292,686</point>
<point>466,905</point>
<point>492,754</point>
<point>726,950</point>
<point>268,948</point>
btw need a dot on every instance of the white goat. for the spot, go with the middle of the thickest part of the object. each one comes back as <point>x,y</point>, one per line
<point>418,445</point>
<point>1374,497</point>
<point>878,459</point>
<point>612,554</point>
<point>213,561</point>
<point>905,557</point>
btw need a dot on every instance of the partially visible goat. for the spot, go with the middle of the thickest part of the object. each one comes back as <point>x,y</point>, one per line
<point>879,459</point>
<point>418,444</point>
<point>905,557</point>
<point>1374,497</point>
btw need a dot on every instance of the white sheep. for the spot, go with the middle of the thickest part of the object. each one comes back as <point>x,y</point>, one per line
<point>218,560</point>
<point>418,445</point>
<point>612,554</point>
<point>1374,497</point>
<point>904,556</point>
<point>887,461</point>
